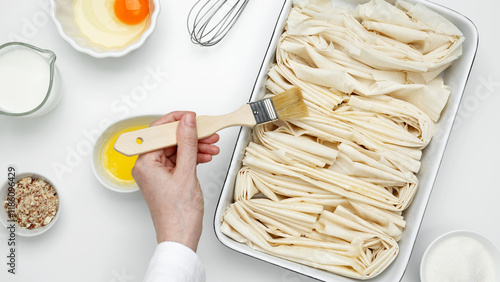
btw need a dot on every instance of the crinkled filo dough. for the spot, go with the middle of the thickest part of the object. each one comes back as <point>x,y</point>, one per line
<point>328,190</point>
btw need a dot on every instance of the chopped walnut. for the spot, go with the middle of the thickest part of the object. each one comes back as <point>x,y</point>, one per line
<point>36,203</point>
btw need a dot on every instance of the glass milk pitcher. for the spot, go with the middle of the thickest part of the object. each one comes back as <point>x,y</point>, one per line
<point>28,80</point>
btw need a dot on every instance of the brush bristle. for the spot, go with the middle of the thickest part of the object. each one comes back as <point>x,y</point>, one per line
<point>290,104</point>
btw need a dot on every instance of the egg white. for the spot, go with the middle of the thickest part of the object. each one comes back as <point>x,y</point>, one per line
<point>97,21</point>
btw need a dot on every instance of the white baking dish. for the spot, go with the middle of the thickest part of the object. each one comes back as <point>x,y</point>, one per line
<point>456,77</point>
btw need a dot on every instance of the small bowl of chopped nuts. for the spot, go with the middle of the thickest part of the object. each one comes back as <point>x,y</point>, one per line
<point>30,204</point>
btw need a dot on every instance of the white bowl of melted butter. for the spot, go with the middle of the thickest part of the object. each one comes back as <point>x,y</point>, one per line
<point>112,169</point>
<point>105,28</point>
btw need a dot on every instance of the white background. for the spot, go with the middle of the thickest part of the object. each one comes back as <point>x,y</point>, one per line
<point>105,236</point>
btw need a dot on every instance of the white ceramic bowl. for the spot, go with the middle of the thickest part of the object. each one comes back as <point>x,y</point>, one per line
<point>461,253</point>
<point>61,12</point>
<point>97,165</point>
<point>4,189</point>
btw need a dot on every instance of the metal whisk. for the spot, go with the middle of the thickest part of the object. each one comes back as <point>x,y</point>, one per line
<point>209,21</point>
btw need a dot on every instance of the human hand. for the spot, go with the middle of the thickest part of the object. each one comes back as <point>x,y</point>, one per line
<point>168,182</point>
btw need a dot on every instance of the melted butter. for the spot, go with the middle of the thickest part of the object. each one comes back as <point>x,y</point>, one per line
<point>118,166</point>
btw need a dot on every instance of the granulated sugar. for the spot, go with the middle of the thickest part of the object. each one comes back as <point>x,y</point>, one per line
<point>457,259</point>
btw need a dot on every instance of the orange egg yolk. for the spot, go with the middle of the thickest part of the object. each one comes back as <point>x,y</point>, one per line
<point>131,11</point>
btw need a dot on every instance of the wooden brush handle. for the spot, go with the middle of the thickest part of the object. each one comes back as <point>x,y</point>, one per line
<point>165,135</point>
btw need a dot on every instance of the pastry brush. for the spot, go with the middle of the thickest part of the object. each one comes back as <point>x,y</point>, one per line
<point>287,105</point>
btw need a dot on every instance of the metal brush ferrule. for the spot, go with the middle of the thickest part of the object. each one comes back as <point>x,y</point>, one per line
<point>263,111</point>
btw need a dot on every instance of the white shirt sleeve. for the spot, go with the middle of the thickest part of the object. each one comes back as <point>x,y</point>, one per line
<point>174,262</point>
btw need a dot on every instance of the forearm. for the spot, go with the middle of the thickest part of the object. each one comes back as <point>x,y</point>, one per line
<point>179,226</point>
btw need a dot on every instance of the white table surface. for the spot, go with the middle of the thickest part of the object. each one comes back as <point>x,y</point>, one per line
<point>105,236</point>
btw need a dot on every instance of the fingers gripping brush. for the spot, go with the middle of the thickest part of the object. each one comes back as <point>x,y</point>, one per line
<point>287,105</point>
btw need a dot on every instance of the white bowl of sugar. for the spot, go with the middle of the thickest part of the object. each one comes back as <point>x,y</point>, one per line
<point>461,256</point>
